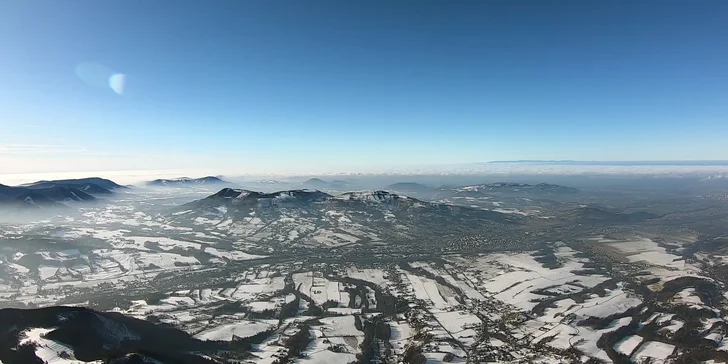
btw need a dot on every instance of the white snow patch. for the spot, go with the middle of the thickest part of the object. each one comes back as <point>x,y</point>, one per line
<point>627,345</point>
<point>653,349</point>
<point>240,329</point>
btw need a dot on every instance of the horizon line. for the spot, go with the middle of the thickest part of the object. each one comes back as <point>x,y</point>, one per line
<point>683,162</point>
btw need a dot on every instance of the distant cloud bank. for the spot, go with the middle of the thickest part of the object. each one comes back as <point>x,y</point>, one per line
<point>701,169</point>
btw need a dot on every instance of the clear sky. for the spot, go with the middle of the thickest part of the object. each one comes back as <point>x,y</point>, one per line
<point>295,86</point>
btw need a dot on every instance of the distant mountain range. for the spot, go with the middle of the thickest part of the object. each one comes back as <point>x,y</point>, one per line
<point>409,187</point>
<point>315,183</point>
<point>268,182</point>
<point>319,184</point>
<point>617,163</point>
<point>186,181</point>
<point>56,193</point>
<point>428,192</point>
<point>595,214</point>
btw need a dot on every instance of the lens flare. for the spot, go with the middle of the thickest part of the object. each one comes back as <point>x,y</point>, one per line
<point>117,82</point>
<point>99,76</point>
<point>94,74</point>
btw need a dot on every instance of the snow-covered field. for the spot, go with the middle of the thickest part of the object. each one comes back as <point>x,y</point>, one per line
<point>318,288</point>
<point>653,349</point>
<point>52,352</point>
<point>240,329</point>
<point>226,278</point>
<point>627,345</point>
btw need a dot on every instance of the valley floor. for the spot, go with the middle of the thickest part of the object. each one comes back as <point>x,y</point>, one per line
<point>598,298</point>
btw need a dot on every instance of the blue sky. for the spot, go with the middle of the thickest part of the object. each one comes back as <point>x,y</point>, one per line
<point>295,86</point>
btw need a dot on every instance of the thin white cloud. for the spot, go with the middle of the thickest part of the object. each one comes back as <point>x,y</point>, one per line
<point>24,125</point>
<point>24,149</point>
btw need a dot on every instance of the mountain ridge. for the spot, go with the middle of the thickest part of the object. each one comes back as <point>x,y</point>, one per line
<point>409,187</point>
<point>186,181</point>
<point>55,193</point>
<point>92,335</point>
<point>361,214</point>
<point>80,183</point>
